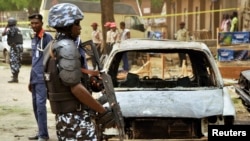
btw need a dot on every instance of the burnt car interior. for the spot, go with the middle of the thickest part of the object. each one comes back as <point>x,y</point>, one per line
<point>162,69</point>
<point>159,70</point>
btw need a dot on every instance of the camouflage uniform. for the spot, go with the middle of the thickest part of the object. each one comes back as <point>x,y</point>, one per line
<point>16,58</point>
<point>81,127</point>
<point>15,41</point>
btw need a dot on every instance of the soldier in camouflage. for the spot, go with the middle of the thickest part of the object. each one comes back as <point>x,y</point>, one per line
<point>15,41</point>
<point>63,64</point>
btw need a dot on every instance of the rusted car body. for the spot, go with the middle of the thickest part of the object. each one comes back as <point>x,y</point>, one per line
<point>242,88</point>
<point>163,98</point>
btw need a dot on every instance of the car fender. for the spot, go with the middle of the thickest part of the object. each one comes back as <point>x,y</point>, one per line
<point>4,41</point>
<point>229,109</point>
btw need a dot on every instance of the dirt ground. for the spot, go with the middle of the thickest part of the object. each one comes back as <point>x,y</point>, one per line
<point>17,121</point>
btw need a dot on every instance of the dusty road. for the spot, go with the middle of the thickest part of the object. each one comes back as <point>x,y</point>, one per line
<point>16,116</point>
<point>17,121</point>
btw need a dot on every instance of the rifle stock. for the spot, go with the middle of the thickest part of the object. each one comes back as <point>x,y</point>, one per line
<point>92,52</point>
<point>109,92</point>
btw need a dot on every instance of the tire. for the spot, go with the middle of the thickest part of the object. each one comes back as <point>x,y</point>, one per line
<point>229,120</point>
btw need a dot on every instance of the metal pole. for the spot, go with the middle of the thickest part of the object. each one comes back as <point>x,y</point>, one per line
<point>139,8</point>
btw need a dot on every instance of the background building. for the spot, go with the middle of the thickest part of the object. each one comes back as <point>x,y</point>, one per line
<point>202,17</point>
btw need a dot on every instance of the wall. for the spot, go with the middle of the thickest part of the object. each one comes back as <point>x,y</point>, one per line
<point>204,24</point>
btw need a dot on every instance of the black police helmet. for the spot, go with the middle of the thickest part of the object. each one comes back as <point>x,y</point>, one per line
<point>11,21</point>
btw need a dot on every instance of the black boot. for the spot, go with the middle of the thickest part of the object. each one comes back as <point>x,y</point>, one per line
<point>14,79</point>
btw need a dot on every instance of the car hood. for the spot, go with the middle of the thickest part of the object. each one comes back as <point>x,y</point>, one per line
<point>191,104</point>
<point>27,44</point>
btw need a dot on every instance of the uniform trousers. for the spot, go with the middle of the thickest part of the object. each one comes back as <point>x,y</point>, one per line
<point>15,58</point>
<point>125,62</point>
<point>75,126</point>
<point>39,97</point>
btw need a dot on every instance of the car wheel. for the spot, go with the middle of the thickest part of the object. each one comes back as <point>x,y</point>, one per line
<point>6,57</point>
<point>229,120</point>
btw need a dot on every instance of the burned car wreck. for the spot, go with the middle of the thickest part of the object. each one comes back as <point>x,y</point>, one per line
<point>242,88</point>
<point>162,97</point>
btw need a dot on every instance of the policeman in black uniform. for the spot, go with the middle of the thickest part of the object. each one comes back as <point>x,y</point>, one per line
<point>15,41</point>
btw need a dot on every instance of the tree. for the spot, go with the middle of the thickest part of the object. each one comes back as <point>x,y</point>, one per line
<point>107,8</point>
<point>20,5</point>
<point>156,5</point>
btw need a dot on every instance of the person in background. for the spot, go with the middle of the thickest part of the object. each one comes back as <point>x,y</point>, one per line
<point>114,35</point>
<point>227,24</point>
<point>164,32</point>
<point>223,22</point>
<point>108,38</point>
<point>70,100</point>
<point>96,36</point>
<point>37,85</point>
<point>15,41</point>
<point>124,35</point>
<point>234,22</point>
<point>182,35</point>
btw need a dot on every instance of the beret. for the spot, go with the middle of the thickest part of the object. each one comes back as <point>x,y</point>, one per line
<point>36,16</point>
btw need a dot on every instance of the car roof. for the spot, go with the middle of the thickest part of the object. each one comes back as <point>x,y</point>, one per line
<point>156,45</point>
<point>142,44</point>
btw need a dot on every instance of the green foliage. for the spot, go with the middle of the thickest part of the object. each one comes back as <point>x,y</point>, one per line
<point>13,5</point>
<point>156,5</point>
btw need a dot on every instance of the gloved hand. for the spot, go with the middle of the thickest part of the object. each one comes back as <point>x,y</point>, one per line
<point>106,119</point>
<point>96,84</point>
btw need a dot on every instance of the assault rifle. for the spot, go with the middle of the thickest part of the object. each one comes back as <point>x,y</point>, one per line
<point>108,91</point>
